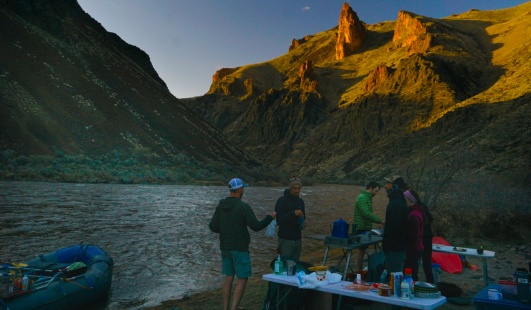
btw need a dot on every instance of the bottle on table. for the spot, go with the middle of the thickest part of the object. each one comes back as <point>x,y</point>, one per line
<point>405,293</point>
<point>278,266</point>
<point>408,276</point>
<point>383,277</point>
<point>25,282</point>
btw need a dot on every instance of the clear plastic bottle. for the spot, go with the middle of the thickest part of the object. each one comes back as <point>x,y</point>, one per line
<point>25,283</point>
<point>383,277</point>
<point>405,293</point>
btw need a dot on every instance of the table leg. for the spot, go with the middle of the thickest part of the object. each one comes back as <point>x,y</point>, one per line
<point>348,265</point>
<point>485,272</point>
<point>284,298</point>
<point>278,296</point>
<point>338,307</point>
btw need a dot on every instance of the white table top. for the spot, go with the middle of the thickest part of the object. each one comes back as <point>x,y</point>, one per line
<point>467,251</point>
<point>338,288</point>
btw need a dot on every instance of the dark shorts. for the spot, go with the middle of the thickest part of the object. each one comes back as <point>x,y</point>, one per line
<point>363,232</point>
<point>236,262</point>
<point>291,248</point>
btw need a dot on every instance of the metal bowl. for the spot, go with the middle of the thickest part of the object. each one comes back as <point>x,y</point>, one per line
<point>378,232</point>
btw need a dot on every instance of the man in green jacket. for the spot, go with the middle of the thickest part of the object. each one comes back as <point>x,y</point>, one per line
<point>230,220</point>
<point>363,216</point>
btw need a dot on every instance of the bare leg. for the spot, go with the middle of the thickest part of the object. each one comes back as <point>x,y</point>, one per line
<point>361,254</point>
<point>227,287</point>
<point>238,293</point>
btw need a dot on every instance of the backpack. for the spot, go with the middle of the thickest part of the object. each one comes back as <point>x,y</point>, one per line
<point>296,297</point>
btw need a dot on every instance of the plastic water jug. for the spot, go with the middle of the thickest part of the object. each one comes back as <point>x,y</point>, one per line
<point>340,229</point>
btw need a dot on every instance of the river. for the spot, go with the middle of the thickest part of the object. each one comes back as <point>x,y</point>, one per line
<point>158,235</point>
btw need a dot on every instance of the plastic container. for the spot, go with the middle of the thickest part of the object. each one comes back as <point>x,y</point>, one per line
<point>409,280</point>
<point>405,293</point>
<point>397,280</point>
<point>279,266</point>
<point>436,269</point>
<point>25,283</point>
<point>383,276</point>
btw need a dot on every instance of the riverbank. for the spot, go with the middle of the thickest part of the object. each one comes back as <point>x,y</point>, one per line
<point>322,210</point>
<point>508,258</point>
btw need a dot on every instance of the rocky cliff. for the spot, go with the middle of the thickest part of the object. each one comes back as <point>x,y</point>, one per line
<point>419,90</point>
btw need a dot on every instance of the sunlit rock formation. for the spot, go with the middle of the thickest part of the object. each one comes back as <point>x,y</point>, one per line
<point>351,32</point>
<point>411,34</point>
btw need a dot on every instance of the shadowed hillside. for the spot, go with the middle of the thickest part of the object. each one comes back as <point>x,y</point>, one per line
<point>70,88</point>
<point>418,89</point>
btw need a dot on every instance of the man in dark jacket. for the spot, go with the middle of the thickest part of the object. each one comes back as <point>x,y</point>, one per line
<point>395,229</point>
<point>291,220</point>
<point>230,220</point>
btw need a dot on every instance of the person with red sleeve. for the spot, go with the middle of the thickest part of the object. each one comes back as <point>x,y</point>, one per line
<point>414,244</point>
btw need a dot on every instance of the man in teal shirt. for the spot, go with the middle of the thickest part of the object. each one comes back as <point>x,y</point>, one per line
<point>230,220</point>
<point>363,215</point>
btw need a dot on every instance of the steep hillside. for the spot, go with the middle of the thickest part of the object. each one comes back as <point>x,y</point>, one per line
<point>67,86</point>
<point>419,89</point>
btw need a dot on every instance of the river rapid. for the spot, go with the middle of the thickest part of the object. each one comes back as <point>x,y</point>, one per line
<point>158,235</point>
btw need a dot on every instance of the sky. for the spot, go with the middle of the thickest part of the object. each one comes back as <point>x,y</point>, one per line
<point>189,40</point>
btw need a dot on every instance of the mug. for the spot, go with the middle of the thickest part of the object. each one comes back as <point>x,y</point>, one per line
<point>291,268</point>
<point>494,294</point>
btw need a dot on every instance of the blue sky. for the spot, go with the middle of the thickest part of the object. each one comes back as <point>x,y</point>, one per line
<point>188,40</point>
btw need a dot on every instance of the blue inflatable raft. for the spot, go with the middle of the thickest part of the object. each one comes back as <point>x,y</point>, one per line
<point>69,278</point>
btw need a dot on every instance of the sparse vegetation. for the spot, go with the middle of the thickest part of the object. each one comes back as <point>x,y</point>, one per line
<point>140,167</point>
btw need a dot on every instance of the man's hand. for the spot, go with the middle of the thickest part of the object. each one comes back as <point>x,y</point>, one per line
<point>299,213</point>
<point>273,215</point>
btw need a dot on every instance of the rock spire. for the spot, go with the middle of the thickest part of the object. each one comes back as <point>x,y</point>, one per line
<point>351,32</point>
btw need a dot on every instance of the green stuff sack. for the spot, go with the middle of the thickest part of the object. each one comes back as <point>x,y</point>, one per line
<point>75,269</point>
<point>76,266</point>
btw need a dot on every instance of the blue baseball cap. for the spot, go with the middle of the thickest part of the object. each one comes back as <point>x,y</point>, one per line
<point>237,183</point>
